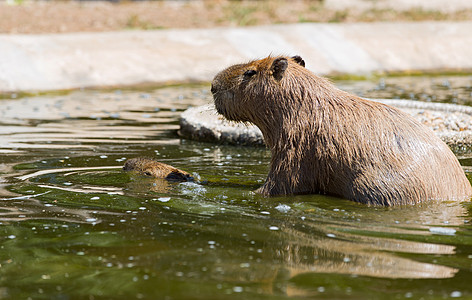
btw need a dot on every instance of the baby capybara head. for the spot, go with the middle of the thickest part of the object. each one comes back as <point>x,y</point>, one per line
<point>151,168</point>
<point>254,91</point>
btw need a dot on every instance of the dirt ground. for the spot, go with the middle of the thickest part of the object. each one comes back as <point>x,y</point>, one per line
<point>33,17</point>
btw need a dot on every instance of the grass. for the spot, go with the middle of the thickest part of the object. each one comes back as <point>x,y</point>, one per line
<point>69,16</point>
<point>134,22</point>
<point>241,15</point>
<point>405,73</point>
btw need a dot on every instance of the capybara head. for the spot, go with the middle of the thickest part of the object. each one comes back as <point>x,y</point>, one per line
<point>152,168</point>
<point>324,140</point>
<point>254,91</point>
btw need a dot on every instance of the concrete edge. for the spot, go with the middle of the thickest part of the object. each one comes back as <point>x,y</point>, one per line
<point>69,61</point>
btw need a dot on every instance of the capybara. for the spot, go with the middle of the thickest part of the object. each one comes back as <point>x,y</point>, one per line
<point>324,140</point>
<point>152,168</point>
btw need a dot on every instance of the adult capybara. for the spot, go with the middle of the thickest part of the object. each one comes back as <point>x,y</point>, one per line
<point>152,168</point>
<point>324,140</point>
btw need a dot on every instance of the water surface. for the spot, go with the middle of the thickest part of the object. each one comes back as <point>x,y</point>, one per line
<point>74,226</point>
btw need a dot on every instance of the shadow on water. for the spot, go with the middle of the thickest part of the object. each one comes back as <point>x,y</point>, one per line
<point>73,225</point>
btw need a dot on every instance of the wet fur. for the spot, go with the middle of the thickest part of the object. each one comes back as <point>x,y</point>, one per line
<point>324,140</point>
<point>152,168</point>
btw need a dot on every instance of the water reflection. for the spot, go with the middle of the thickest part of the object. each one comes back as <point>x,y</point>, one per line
<point>24,208</point>
<point>144,185</point>
<point>361,255</point>
<point>86,119</point>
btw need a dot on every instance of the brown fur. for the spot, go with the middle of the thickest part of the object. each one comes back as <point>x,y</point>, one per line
<point>152,168</point>
<point>324,140</point>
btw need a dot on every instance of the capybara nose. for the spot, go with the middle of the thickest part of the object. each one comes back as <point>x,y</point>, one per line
<point>213,88</point>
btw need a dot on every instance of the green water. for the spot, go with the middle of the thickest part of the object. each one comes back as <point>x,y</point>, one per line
<point>73,226</point>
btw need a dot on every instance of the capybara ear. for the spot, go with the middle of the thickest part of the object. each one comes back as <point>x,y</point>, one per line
<point>299,60</point>
<point>278,67</point>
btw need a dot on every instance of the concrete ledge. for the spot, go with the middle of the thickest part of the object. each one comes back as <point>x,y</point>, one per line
<point>67,61</point>
<point>452,123</point>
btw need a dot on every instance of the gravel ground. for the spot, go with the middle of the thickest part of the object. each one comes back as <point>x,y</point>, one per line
<point>440,117</point>
<point>33,17</point>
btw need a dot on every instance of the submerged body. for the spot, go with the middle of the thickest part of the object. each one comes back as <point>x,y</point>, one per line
<point>324,140</point>
<point>152,168</point>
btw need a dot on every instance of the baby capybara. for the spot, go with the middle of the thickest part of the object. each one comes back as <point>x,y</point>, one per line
<point>152,168</point>
<point>324,140</point>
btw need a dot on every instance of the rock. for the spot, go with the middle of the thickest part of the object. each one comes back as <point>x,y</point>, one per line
<point>203,123</point>
<point>451,122</point>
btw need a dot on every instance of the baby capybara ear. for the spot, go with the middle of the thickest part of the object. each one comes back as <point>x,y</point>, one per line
<point>299,60</point>
<point>278,67</point>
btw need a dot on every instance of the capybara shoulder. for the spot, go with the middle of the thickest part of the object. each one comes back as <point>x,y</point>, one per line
<point>152,168</point>
<point>324,140</point>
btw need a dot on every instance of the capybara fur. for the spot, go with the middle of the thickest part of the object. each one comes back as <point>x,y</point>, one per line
<point>324,140</point>
<point>152,168</point>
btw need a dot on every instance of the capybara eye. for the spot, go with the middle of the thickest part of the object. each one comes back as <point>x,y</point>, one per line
<point>250,73</point>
